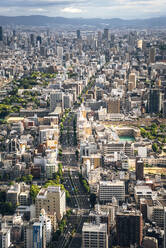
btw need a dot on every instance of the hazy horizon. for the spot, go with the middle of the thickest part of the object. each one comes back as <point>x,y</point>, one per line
<point>124,9</point>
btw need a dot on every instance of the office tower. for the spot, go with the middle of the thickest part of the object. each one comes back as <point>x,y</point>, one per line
<point>139,169</point>
<point>164,245</point>
<point>43,51</point>
<point>28,235</point>
<point>67,100</point>
<point>78,34</point>
<point>129,227</point>
<point>37,235</point>
<point>132,78</point>
<point>5,238</point>
<point>1,34</point>
<point>60,52</point>
<point>152,54</point>
<point>52,200</point>
<point>110,189</point>
<point>106,34</point>
<point>113,106</point>
<point>47,227</point>
<point>139,44</point>
<point>37,232</point>
<point>155,99</point>
<point>150,242</point>
<point>94,235</point>
<point>32,39</point>
<point>56,100</point>
<point>164,109</point>
<point>38,40</point>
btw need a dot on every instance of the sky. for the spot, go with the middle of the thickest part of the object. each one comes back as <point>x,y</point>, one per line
<point>126,9</point>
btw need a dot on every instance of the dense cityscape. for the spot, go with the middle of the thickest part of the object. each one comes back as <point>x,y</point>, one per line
<point>82,138</point>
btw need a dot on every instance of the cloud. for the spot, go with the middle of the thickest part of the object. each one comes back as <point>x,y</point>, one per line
<point>33,3</point>
<point>128,9</point>
<point>71,10</point>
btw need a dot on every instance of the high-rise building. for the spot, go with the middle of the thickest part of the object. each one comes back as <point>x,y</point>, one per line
<point>139,44</point>
<point>139,169</point>
<point>52,200</point>
<point>152,54</point>
<point>164,227</point>
<point>132,78</point>
<point>110,189</point>
<point>60,52</point>
<point>1,34</point>
<point>78,34</point>
<point>164,108</point>
<point>113,106</point>
<point>38,39</point>
<point>94,235</point>
<point>37,232</point>
<point>106,34</point>
<point>129,227</point>
<point>155,99</point>
<point>5,238</point>
<point>37,235</point>
<point>56,100</point>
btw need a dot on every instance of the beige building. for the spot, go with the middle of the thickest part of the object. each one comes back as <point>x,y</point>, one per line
<point>132,78</point>
<point>113,106</point>
<point>52,200</point>
<point>95,160</point>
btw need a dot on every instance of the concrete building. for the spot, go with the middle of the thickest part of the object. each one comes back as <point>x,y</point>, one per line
<point>150,242</point>
<point>5,238</point>
<point>112,147</point>
<point>152,54</point>
<point>129,227</point>
<point>132,79</point>
<point>56,100</point>
<point>38,236</point>
<point>164,245</point>
<point>139,169</point>
<point>52,200</point>
<point>142,191</point>
<point>155,99</point>
<point>113,106</point>
<point>94,235</point>
<point>13,194</point>
<point>110,189</point>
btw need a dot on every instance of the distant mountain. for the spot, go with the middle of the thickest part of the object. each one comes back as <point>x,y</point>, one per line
<point>39,20</point>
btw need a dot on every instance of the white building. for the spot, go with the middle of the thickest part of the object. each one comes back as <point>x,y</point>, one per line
<point>142,191</point>
<point>60,52</point>
<point>46,222</point>
<point>94,235</point>
<point>164,227</point>
<point>110,189</point>
<point>5,238</point>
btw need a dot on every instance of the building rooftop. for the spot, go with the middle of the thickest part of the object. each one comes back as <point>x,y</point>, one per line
<point>112,183</point>
<point>90,227</point>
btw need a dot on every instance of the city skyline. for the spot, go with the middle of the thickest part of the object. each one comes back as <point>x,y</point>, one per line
<point>137,9</point>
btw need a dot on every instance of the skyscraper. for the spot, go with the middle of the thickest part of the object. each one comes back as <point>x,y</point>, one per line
<point>164,227</point>
<point>37,235</point>
<point>106,34</point>
<point>94,235</point>
<point>152,54</point>
<point>129,226</point>
<point>139,169</point>
<point>78,34</point>
<point>155,101</point>
<point>1,34</point>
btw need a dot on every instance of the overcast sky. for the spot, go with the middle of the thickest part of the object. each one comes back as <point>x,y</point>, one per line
<point>127,9</point>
